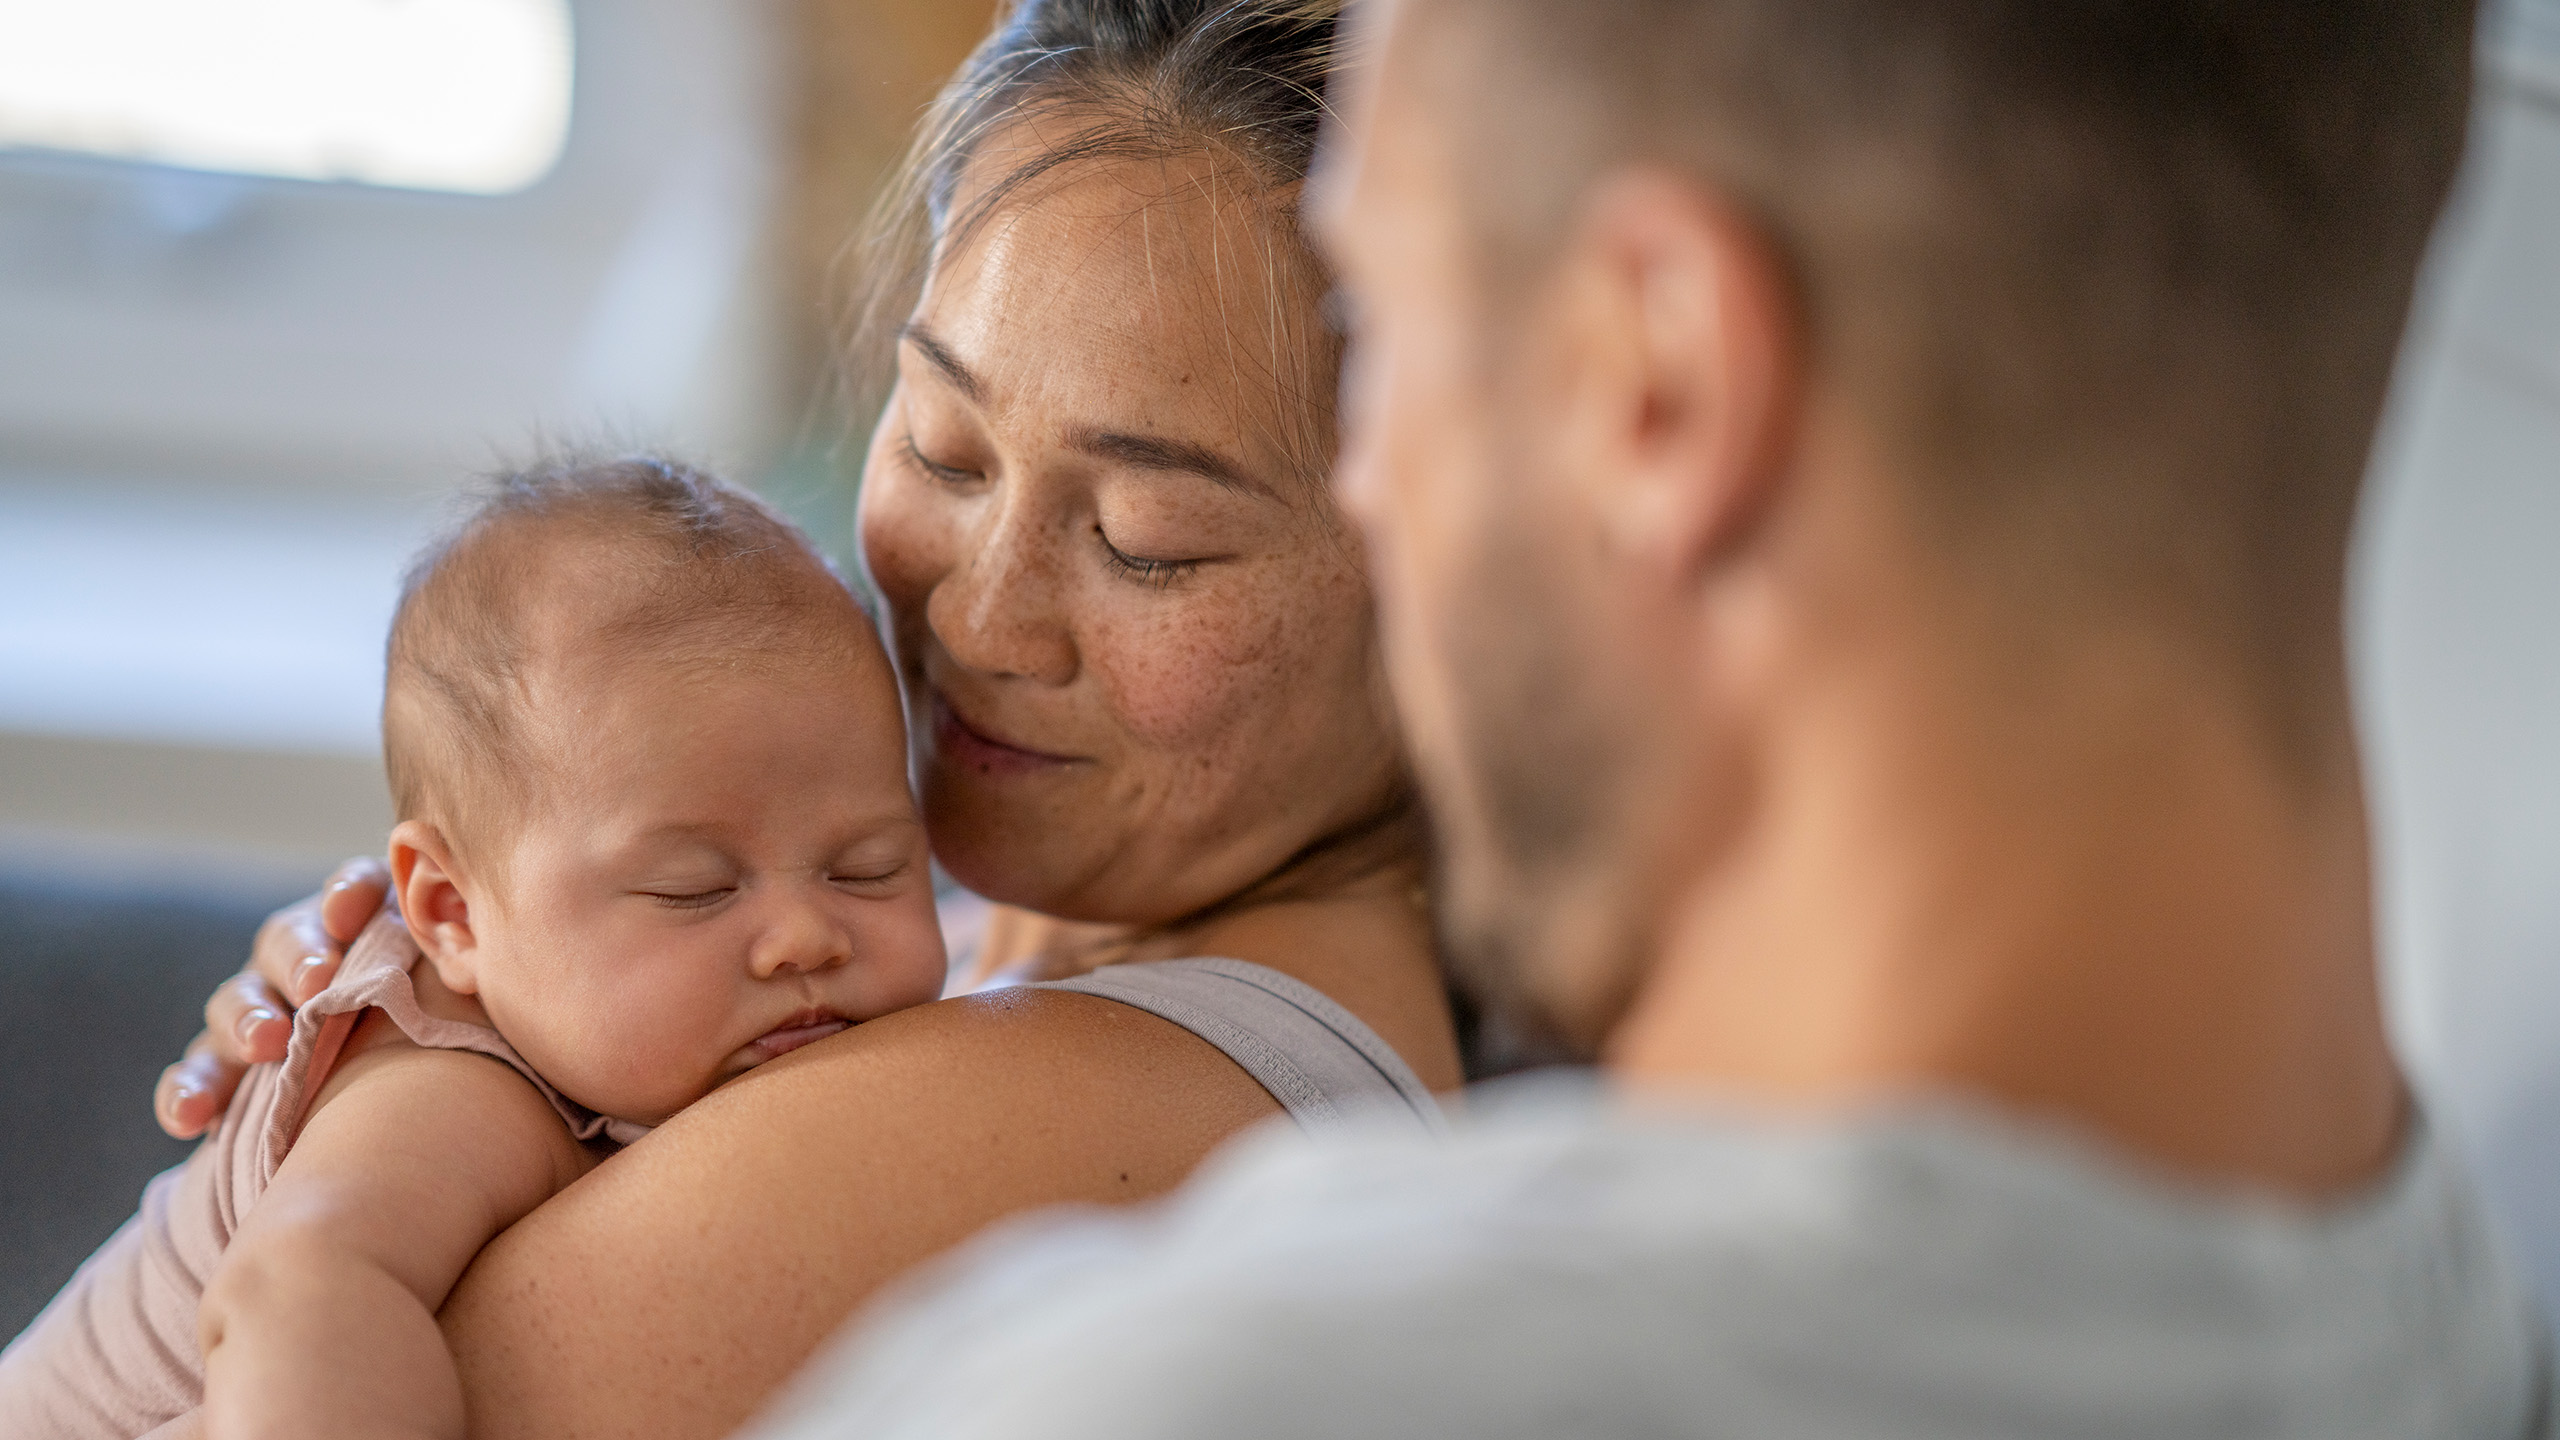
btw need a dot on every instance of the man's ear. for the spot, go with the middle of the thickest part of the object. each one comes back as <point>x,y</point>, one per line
<point>429,884</point>
<point>1690,382</point>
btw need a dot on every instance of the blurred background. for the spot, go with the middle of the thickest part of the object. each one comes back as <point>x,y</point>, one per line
<point>277,276</point>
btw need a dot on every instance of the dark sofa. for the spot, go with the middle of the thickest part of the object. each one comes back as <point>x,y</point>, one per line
<point>101,983</point>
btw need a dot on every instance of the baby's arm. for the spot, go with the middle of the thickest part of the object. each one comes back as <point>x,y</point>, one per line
<point>321,1319</point>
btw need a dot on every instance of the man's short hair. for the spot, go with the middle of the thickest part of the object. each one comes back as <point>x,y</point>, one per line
<point>2119,281</point>
<point>672,568</point>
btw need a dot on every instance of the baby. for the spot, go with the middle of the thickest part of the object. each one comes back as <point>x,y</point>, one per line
<point>654,831</point>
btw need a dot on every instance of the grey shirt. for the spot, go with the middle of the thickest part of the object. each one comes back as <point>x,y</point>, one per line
<point>1562,1268</point>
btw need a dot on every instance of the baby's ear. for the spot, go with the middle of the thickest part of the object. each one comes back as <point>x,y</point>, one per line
<point>429,884</point>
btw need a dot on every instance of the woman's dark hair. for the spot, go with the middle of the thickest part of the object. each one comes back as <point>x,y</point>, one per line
<point>1242,81</point>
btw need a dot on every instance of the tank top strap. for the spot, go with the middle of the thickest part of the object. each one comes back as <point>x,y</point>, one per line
<point>1317,1059</point>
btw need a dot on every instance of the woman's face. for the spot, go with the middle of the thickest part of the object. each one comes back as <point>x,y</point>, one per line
<point>1135,638</point>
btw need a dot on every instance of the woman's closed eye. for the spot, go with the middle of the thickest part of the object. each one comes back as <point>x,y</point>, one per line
<point>1141,568</point>
<point>1155,571</point>
<point>935,469</point>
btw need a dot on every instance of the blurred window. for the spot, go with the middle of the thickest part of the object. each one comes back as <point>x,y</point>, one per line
<point>457,95</point>
<point>2531,32</point>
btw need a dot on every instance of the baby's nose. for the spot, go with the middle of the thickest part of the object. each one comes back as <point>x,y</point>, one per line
<point>801,939</point>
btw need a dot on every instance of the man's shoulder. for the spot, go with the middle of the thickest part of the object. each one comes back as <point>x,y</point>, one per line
<point>1557,1265</point>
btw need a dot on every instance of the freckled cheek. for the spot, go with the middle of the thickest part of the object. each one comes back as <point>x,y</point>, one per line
<point>1219,678</point>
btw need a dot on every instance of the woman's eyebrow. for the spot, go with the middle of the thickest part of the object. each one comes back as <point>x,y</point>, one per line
<point>930,346</point>
<point>1140,452</point>
<point>1151,452</point>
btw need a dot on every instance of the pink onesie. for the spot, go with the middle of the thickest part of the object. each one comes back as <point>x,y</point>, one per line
<point>115,1356</point>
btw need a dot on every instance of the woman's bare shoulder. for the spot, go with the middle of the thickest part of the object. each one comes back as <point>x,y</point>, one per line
<point>1018,1046</point>
<point>670,1291</point>
<point>972,1106</point>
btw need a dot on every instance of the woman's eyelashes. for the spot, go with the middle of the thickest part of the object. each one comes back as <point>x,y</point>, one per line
<point>1144,569</point>
<point>1157,573</point>
<point>935,469</point>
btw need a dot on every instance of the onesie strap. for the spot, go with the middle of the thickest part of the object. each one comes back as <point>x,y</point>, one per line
<point>375,976</point>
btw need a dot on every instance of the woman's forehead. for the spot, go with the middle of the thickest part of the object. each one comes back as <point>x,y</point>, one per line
<point>1174,270</point>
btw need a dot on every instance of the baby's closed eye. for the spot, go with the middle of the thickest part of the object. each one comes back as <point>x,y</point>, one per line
<point>686,897</point>
<point>864,877</point>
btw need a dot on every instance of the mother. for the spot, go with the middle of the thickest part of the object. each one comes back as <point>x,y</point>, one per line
<point>1149,723</point>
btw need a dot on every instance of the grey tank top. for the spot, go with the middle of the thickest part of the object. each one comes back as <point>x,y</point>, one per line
<point>1316,1058</point>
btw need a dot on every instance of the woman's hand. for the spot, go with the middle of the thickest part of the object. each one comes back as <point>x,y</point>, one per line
<point>249,1018</point>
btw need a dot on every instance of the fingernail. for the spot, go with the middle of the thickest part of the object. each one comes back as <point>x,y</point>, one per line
<point>185,1090</point>
<point>307,973</point>
<point>250,1020</point>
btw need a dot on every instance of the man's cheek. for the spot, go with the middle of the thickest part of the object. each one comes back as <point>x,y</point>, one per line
<point>1358,484</point>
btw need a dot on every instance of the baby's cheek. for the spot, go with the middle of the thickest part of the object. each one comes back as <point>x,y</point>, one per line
<point>914,963</point>
<point>644,1039</point>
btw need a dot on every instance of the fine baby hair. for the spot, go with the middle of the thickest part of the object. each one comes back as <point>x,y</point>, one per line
<point>670,566</point>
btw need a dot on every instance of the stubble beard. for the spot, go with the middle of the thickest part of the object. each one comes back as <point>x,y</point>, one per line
<point>1533,912</point>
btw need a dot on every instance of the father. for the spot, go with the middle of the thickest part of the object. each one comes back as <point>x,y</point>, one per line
<point>1860,491</point>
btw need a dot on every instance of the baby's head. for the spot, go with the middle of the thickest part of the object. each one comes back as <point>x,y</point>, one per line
<point>651,777</point>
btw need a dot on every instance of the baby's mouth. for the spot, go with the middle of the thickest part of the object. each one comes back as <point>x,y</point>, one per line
<point>807,1027</point>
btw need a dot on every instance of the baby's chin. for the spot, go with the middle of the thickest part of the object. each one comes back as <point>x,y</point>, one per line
<point>646,1099</point>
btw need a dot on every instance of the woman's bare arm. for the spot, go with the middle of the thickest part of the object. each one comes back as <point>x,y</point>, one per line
<point>671,1291</point>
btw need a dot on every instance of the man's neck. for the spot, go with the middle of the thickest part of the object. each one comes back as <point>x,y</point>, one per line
<point>2099,897</point>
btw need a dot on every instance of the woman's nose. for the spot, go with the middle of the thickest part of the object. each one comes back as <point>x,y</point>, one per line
<point>996,612</point>
<point>802,939</point>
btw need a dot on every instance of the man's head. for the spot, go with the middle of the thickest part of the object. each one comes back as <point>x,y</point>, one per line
<point>1708,350</point>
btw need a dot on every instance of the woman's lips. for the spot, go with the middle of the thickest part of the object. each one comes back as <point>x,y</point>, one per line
<point>959,741</point>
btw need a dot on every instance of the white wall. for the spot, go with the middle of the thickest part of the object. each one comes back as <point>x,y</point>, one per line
<point>231,407</point>
<point>2459,657</point>
<point>203,326</point>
